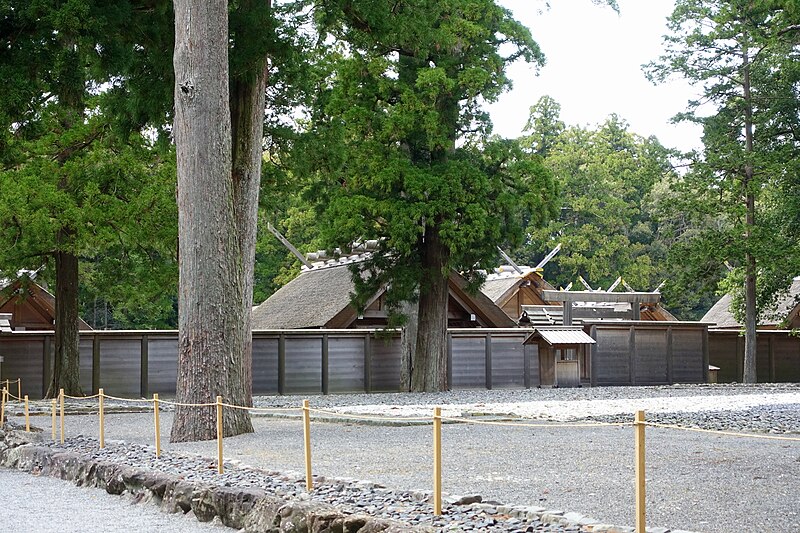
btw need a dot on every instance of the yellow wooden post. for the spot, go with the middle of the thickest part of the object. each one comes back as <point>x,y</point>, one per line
<point>53,417</point>
<point>102,420</point>
<point>61,400</point>
<point>640,484</point>
<point>437,461</point>
<point>27,416</point>
<point>3,406</point>
<point>307,443</point>
<point>219,434</point>
<point>158,425</point>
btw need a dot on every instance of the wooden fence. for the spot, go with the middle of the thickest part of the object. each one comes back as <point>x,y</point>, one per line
<point>140,363</point>
<point>777,357</point>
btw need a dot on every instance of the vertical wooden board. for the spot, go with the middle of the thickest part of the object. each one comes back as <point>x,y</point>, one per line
<point>722,347</point>
<point>265,365</point>
<point>762,359</point>
<point>787,358</point>
<point>532,353</point>
<point>345,364</point>
<point>687,351</point>
<point>386,355</point>
<point>469,362</point>
<point>612,359</point>
<point>304,364</point>
<point>508,361</point>
<point>162,364</point>
<point>651,356</point>
<point>85,349</point>
<point>22,359</point>
<point>120,366</point>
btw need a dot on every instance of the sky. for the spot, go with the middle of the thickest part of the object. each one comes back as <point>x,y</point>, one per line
<point>594,58</point>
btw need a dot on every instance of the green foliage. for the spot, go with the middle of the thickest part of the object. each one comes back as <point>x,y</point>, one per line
<point>399,141</point>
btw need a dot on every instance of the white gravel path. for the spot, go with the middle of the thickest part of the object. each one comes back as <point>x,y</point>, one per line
<point>32,504</point>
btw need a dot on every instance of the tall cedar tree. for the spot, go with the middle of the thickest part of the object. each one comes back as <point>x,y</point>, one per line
<point>219,121</point>
<point>70,186</point>
<point>736,52</point>
<point>401,145</point>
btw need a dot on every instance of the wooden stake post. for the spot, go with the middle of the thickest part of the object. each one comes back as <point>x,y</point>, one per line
<point>27,416</point>
<point>19,388</point>
<point>219,435</point>
<point>53,417</point>
<point>102,421</point>
<point>307,443</point>
<point>61,403</point>
<point>437,461</point>
<point>158,425</point>
<point>639,426</point>
<point>3,406</point>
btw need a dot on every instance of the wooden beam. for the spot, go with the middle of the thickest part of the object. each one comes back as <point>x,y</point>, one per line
<point>592,296</point>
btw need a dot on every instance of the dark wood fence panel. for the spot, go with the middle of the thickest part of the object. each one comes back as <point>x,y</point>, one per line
<point>508,361</point>
<point>386,354</point>
<point>120,366</point>
<point>723,352</point>
<point>469,362</point>
<point>162,364</point>
<point>687,355</point>
<point>651,364</point>
<point>265,365</point>
<point>22,359</point>
<point>346,364</point>
<point>611,361</point>
<point>86,349</point>
<point>303,365</point>
<point>786,358</point>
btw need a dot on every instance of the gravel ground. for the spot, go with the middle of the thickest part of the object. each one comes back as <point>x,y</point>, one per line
<point>696,481</point>
<point>48,505</point>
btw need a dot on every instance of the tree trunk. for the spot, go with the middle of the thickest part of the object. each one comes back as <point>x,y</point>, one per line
<point>66,363</point>
<point>750,339</point>
<point>247,128</point>
<point>211,317</point>
<point>429,371</point>
<point>408,342</point>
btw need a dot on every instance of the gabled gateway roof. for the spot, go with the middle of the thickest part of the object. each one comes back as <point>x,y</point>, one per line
<point>559,336</point>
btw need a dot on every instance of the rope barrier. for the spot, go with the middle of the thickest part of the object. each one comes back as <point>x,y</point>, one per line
<point>82,397</point>
<point>720,432</point>
<point>165,402</point>
<point>9,395</point>
<point>141,400</point>
<point>371,417</point>
<point>266,409</point>
<point>535,425</point>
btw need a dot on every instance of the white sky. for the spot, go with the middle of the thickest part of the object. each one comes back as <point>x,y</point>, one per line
<point>593,69</point>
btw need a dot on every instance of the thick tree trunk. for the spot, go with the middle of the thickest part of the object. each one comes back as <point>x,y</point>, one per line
<point>211,315</point>
<point>247,125</point>
<point>66,363</point>
<point>408,342</point>
<point>750,340</point>
<point>429,370</point>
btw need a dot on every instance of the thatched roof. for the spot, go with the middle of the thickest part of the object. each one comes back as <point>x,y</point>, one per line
<point>496,288</point>
<point>786,309</point>
<point>320,298</point>
<point>311,300</point>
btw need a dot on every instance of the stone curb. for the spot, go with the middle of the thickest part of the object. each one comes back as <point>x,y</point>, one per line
<point>250,510</point>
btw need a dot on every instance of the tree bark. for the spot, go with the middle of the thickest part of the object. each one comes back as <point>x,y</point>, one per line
<point>408,342</point>
<point>211,314</point>
<point>66,363</point>
<point>750,336</point>
<point>429,371</point>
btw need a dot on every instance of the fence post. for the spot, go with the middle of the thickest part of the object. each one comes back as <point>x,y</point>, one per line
<point>307,443</point>
<point>158,425</point>
<point>437,461</point>
<point>27,416</point>
<point>219,435</point>
<point>53,417</point>
<point>640,464</point>
<point>19,389</point>
<point>61,400</point>
<point>102,421</point>
<point>3,406</point>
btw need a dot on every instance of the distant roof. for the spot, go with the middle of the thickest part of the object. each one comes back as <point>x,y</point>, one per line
<point>560,335</point>
<point>310,300</point>
<point>497,287</point>
<point>786,306</point>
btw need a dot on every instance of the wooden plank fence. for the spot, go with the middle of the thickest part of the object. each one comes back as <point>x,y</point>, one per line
<point>140,363</point>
